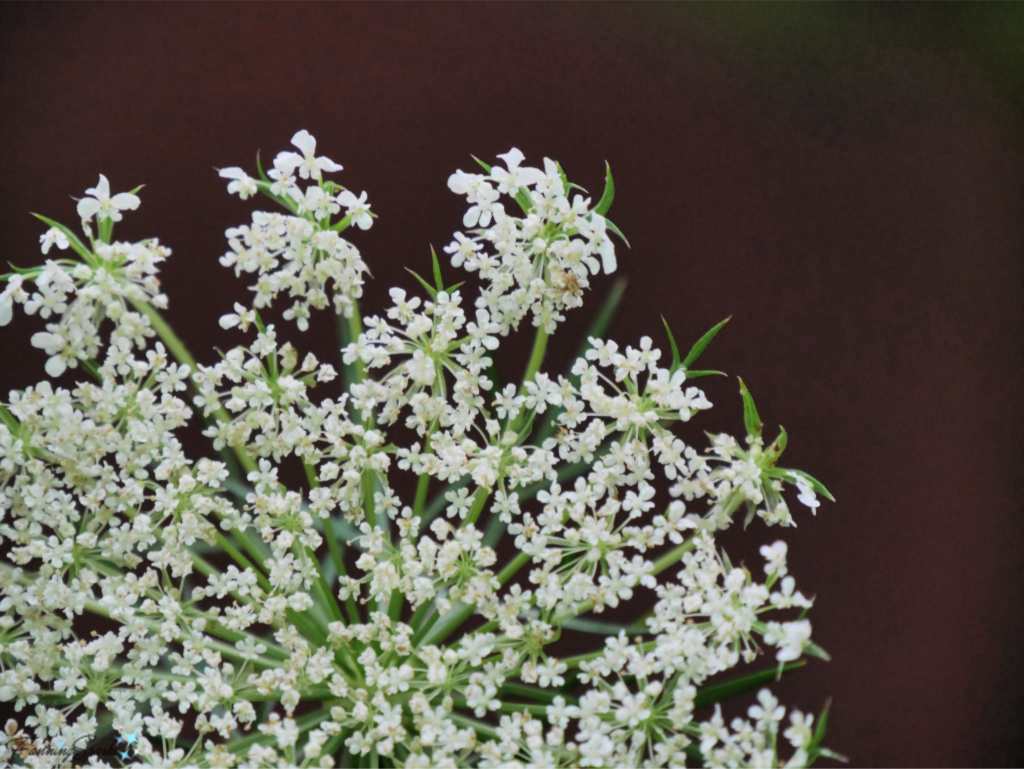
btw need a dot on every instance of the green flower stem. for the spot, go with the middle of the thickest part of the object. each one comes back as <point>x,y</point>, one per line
<point>512,567</point>
<point>8,419</point>
<point>368,502</point>
<point>447,625</point>
<point>673,556</point>
<point>540,346</point>
<point>332,603</point>
<point>395,607</point>
<point>482,729</point>
<point>479,500</point>
<point>546,696</point>
<point>355,330</point>
<point>314,482</point>
<point>422,487</point>
<point>420,615</point>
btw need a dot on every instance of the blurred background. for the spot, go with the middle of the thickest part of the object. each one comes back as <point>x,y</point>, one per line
<point>844,180</point>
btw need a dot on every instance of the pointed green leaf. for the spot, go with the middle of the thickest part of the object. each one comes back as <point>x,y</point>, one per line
<point>815,484</point>
<point>676,361</point>
<point>486,167</point>
<point>695,374</point>
<point>775,450</point>
<point>76,244</point>
<point>613,228</point>
<point>564,178</point>
<point>431,289</point>
<point>609,193</point>
<point>702,344</point>
<point>821,727</point>
<point>709,695</point>
<point>814,650</point>
<point>342,224</point>
<point>259,169</point>
<point>288,203</point>
<point>586,625</point>
<point>524,200</point>
<point>750,417</point>
<point>437,270</point>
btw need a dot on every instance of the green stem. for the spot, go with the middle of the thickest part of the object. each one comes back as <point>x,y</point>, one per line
<point>540,346</point>
<point>479,500</point>
<point>512,567</point>
<point>422,487</point>
<point>448,624</point>
<point>672,556</point>
<point>241,560</point>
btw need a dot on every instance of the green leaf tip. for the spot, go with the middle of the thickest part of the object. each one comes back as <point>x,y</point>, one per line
<point>609,193</point>
<point>437,270</point>
<point>750,416</point>
<point>430,289</point>
<point>483,165</point>
<point>676,360</point>
<point>702,344</point>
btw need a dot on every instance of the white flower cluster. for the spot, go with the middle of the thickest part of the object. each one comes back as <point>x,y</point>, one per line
<point>229,619</point>
<point>302,253</point>
<point>110,281</point>
<point>540,263</point>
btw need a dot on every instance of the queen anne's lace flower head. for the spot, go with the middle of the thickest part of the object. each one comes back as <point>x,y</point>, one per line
<point>241,619</point>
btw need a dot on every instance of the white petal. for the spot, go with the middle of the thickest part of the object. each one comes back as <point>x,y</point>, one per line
<point>6,309</point>
<point>528,176</point>
<point>305,142</point>
<point>55,366</point>
<point>287,162</point>
<point>233,173</point>
<point>87,208</point>
<point>125,201</point>
<point>101,190</point>
<point>328,165</point>
<point>44,340</point>
<point>608,257</point>
<point>513,158</point>
<point>457,182</point>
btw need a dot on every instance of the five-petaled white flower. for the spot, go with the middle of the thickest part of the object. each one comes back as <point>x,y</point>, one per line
<point>357,208</point>
<point>310,166</point>
<point>509,181</point>
<point>102,206</point>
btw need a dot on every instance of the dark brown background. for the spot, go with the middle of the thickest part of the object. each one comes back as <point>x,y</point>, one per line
<point>845,180</point>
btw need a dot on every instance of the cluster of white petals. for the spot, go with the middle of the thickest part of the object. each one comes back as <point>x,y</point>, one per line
<point>539,263</point>
<point>224,617</point>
